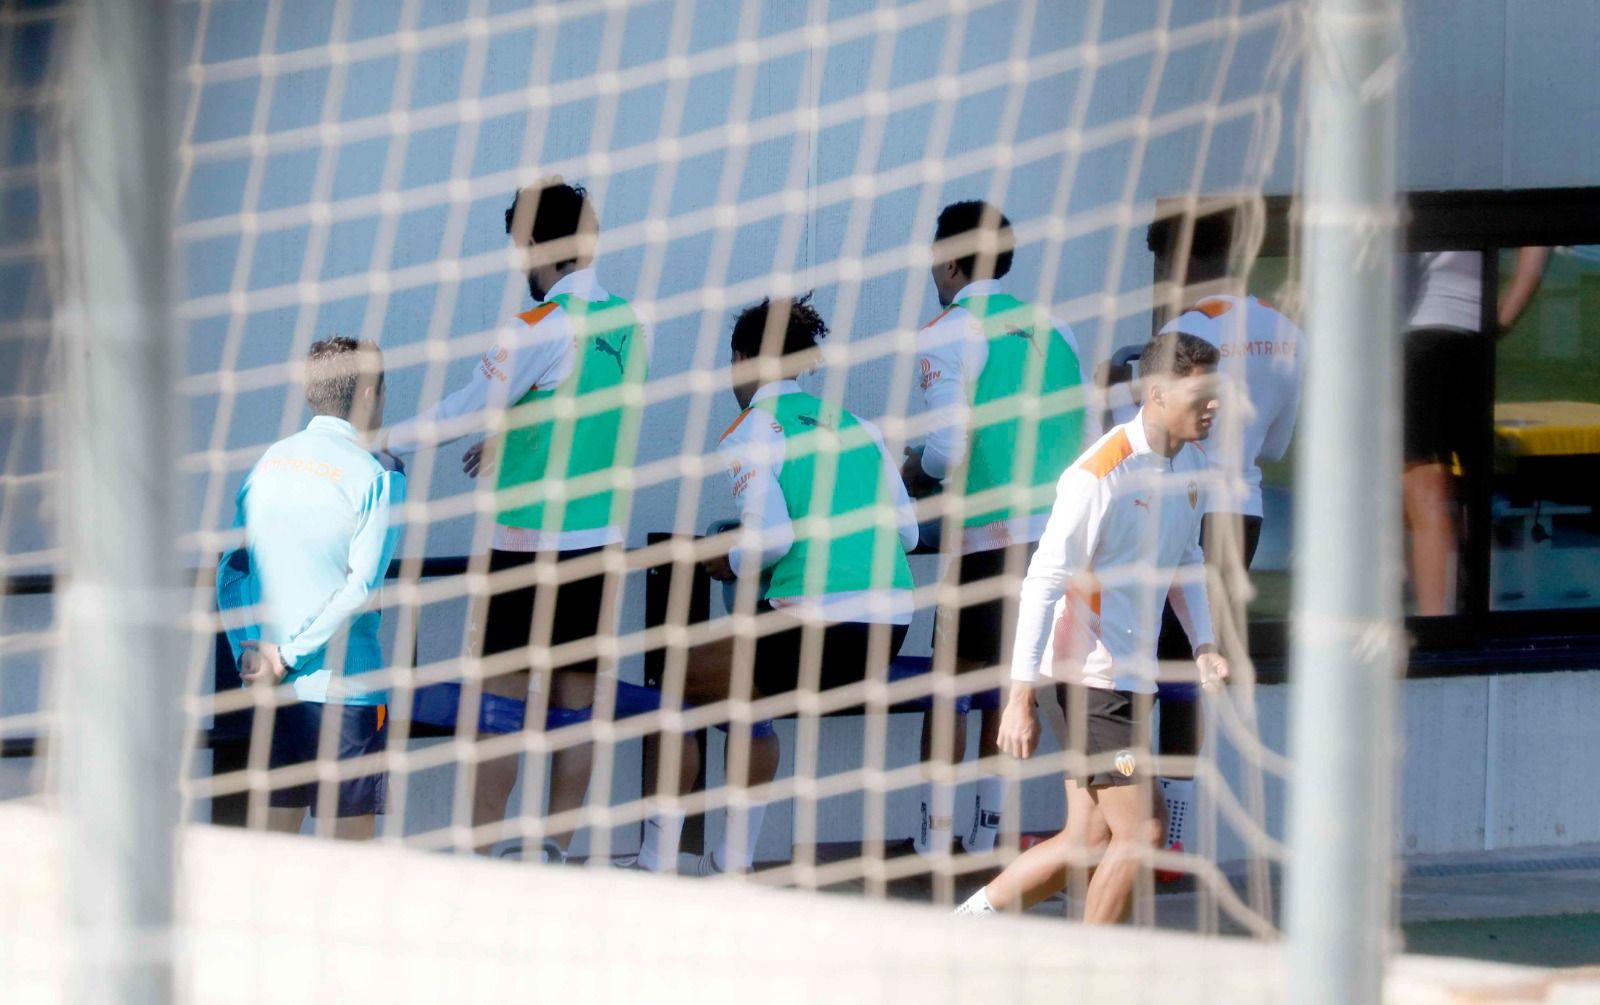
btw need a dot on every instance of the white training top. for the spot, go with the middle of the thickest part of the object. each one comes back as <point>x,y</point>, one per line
<point>524,357</point>
<point>754,452</point>
<point>951,354</point>
<point>1260,351</point>
<point>1123,536</point>
<point>1450,294</point>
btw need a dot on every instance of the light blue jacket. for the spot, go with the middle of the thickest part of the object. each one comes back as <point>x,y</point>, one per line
<point>318,539</point>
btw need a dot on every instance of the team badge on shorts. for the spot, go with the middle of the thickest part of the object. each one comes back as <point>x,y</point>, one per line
<point>1124,763</point>
<point>1194,495</point>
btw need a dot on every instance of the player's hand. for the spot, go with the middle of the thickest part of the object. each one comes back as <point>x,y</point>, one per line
<point>719,568</point>
<point>261,662</point>
<point>1019,723</point>
<point>918,484</point>
<point>1213,670</point>
<point>477,460</point>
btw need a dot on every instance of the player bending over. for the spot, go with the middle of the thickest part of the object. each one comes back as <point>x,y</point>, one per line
<point>825,525</point>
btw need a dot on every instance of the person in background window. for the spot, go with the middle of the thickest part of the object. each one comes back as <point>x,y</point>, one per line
<point>1442,372</point>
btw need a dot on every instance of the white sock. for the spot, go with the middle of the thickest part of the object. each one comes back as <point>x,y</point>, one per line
<point>985,818</point>
<point>1179,795</point>
<point>659,852</point>
<point>938,807</point>
<point>976,904</point>
<point>752,834</point>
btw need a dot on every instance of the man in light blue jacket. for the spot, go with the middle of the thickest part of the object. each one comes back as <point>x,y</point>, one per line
<point>297,597</point>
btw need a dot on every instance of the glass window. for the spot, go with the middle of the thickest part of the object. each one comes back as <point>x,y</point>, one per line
<point>1545,549</point>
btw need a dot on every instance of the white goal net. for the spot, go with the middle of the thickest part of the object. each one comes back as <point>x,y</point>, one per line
<point>347,169</point>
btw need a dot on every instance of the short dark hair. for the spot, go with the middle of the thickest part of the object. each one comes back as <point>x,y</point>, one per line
<point>994,237</point>
<point>1210,243</point>
<point>802,327</point>
<point>336,370</point>
<point>558,211</point>
<point>1177,354</point>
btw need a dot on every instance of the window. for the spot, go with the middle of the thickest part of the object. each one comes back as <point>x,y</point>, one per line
<point>1545,503</point>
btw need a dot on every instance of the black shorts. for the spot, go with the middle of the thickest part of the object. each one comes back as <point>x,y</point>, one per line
<point>296,739</point>
<point>984,629</point>
<point>1111,726</point>
<point>1443,378</point>
<point>846,655</point>
<point>508,623</point>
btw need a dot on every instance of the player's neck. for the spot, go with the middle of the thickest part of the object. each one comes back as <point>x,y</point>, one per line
<point>1155,432</point>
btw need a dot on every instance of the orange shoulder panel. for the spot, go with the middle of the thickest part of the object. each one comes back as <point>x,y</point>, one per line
<point>1111,453</point>
<point>729,431</point>
<point>538,314</point>
<point>1213,307</point>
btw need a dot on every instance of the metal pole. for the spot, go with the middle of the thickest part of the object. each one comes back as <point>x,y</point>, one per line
<point>1347,649</point>
<point>121,654</point>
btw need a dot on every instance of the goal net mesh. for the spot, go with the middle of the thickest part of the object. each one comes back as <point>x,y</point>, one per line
<point>344,169</point>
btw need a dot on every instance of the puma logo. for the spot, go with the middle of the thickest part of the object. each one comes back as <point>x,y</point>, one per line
<point>615,352</point>
<point>1143,504</point>
<point>1026,334</point>
<point>814,422</point>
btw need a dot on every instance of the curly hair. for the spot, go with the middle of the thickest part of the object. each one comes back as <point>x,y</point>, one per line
<point>755,328</point>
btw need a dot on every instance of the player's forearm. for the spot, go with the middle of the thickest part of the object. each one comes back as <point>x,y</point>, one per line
<point>1193,608</point>
<point>946,448</point>
<point>442,424</point>
<point>340,609</point>
<point>1034,616</point>
<point>760,548</point>
<point>1524,284</point>
<point>905,511</point>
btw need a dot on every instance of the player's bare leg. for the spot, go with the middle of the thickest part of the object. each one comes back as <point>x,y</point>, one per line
<point>1135,823</point>
<point>494,778</point>
<point>707,676</point>
<point>1430,514</point>
<point>1043,870</point>
<point>761,768</point>
<point>570,766</point>
<point>664,829</point>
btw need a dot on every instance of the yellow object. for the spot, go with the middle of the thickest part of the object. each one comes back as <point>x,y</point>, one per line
<point>1547,428</point>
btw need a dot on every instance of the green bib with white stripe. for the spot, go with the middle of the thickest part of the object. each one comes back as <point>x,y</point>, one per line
<point>1027,412</point>
<point>845,535</point>
<point>566,446</point>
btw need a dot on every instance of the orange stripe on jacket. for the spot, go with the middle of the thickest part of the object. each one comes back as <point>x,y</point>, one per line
<point>1111,453</point>
<point>383,715</point>
<point>538,314</point>
<point>729,431</point>
<point>936,320</point>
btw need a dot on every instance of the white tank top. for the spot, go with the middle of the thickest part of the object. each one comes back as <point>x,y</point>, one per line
<point>1451,291</point>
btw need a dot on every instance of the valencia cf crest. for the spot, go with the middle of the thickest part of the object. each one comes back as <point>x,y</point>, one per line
<point>1194,495</point>
<point>1124,763</point>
